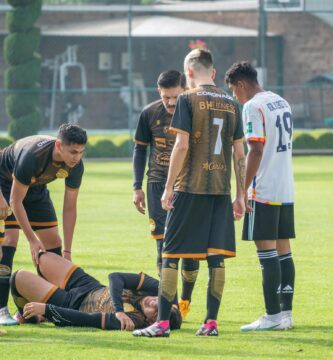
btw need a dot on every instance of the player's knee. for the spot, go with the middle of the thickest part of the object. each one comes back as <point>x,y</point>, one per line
<point>215,261</point>
<point>190,265</point>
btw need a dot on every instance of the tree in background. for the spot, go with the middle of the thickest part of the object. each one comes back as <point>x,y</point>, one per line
<point>23,66</point>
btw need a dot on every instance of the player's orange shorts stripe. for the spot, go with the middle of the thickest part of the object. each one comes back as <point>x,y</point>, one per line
<point>49,294</point>
<point>13,222</point>
<point>256,139</point>
<point>187,256</point>
<point>141,142</point>
<point>141,281</point>
<point>173,130</point>
<point>49,223</point>
<point>220,251</point>
<point>70,272</point>
<point>158,237</point>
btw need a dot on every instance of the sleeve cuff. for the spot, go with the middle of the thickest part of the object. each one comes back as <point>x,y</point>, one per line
<point>173,130</point>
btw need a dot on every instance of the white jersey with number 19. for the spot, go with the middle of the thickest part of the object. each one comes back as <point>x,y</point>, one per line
<point>267,118</point>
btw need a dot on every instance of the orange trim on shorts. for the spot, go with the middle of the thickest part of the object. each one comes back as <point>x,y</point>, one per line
<point>141,142</point>
<point>158,237</point>
<point>220,251</point>
<point>12,222</point>
<point>173,130</point>
<point>49,223</point>
<point>103,320</point>
<point>49,294</point>
<point>70,272</point>
<point>141,281</point>
<point>186,256</point>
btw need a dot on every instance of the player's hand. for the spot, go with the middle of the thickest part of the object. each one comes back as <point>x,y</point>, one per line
<point>239,208</point>
<point>139,200</point>
<point>166,199</point>
<point>126,323</point>
<point>248,208</point>
<point>33,309</point>
<point>67,255</point>
<point>35,247</point>
<point>5,210</point>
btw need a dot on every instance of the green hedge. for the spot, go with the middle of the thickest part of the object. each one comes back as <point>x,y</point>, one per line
<point>24,17</point>
<point>18,105</point>
<point>20,47</point>
<point>23,76</point>
<point>26,125</point>
<point>105,148</point>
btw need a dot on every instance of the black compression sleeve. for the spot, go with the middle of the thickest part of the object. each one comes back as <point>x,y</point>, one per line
<point>139,164</point>
<point>135,282</point>
<point>68,317</point>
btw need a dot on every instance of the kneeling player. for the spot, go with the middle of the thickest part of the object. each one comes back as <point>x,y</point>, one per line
<point>67,296</point>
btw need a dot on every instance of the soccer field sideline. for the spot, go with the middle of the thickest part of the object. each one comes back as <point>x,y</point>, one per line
<point>112,236</point>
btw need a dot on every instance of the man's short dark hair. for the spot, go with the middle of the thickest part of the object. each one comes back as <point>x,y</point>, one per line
<point>72,134</point>
<point>170,79</point>
<point>241,71</point>
<point>175,318</point>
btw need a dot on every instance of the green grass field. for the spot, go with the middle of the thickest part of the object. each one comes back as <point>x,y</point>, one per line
<point>112,236</point>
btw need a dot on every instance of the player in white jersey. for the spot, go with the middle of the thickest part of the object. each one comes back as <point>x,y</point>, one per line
<point>269,221</point>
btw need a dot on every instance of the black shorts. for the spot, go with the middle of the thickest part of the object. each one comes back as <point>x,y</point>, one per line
<point>269,222</point>
<point>77,287</point>
<point>38,206</point>
<point>198,225</point>
<point>157,216</point>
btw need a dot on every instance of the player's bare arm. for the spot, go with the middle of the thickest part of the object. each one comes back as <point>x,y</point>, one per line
<point>176,163</point>
<point>17,195</point>
<point>239,168</point>
<point>69,219</point>
<point>4,208</point>
<point>253,160</point>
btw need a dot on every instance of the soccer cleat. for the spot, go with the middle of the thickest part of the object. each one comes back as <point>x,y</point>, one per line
<point>208,329</point>
<point>5,318</point>
<point>288,319</point>
<point>184,308</point>
<point>264,323</point>
<point>155,330</point>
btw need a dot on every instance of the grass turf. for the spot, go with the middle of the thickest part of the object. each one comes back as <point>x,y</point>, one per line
<point>112,236</point>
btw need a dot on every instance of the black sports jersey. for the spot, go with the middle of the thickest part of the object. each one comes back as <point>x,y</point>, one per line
<point>124,294</point>
<point>29,160</point>
<point>152,130</point>
<point>212,120</point>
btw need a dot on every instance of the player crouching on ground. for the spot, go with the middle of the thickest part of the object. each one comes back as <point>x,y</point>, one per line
<point>67,296</point>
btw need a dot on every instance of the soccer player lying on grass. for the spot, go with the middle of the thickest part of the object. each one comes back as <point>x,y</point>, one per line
<point>67,296</point>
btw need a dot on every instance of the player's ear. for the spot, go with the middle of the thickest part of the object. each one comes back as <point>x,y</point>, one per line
<point>213,73</point>
<point>58,144</point>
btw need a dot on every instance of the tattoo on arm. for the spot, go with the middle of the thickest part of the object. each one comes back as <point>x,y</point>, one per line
<point>241,172</point>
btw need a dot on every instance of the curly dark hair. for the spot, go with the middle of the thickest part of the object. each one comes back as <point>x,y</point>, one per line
<point>72,134</point>
<point>239,71</point>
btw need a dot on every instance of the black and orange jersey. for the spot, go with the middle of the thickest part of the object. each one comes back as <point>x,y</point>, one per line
<point>30,161</point>
<point>152,130</point>
<point>212,120</point>
<point>124,294</point>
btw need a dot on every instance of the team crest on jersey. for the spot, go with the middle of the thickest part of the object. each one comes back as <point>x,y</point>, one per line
<point>152,224</point>
<point>62,174</point>
<point>197,136</point>
<point>158,122</point>
<point>163,159</point>
<point>128,307</point>
<point>166,129</point>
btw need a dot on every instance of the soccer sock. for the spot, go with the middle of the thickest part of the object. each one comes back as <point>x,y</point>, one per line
<point>168,288</point>
<point>190,270</point>
<point>271,279</point>
<point>159,245</point>
<point>57,250</point>
<point>215,285</point>
<point>6,264</point>
<point>287,281</point>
